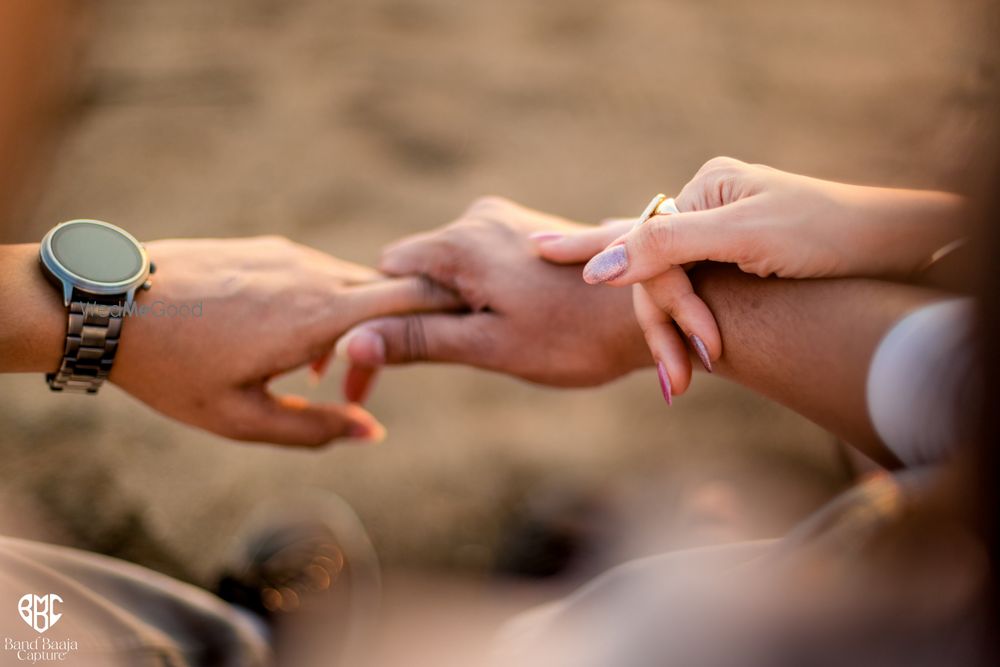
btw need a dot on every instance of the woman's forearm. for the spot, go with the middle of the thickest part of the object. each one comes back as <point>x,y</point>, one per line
<point>807,344</point>
<point>32,317</point>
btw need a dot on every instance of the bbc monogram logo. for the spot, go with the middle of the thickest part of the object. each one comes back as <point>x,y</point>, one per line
<point>39,611</point>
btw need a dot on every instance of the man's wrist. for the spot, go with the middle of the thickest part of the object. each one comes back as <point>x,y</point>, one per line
<point>33,329</point>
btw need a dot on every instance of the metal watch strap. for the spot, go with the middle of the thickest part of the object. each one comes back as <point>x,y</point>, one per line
<point>91,342</point>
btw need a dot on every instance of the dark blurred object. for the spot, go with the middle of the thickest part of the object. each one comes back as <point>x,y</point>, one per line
<point>286,567</point>
<point>307,569</point>
<point>557,531</point>
<point>39,42</point>
<point>977,485</point>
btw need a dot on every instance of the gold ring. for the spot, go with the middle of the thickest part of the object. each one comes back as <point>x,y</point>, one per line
<point>661,204</point>
<point>667,207</point>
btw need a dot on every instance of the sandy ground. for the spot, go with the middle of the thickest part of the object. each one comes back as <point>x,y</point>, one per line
<point>347,124</point>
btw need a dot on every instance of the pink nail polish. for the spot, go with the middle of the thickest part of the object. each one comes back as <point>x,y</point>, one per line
<point>606,265</point>
<point>699,348</point>
<point>543,237</point>
<point>661,373</point>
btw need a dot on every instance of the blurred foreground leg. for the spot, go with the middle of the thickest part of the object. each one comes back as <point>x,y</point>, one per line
<point>39,42</point>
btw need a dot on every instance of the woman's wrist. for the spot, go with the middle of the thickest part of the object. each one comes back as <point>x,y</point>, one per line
<point>895,233</point>
<point>33,332</point>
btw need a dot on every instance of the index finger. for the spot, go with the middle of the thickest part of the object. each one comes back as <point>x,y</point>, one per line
<point>578,247</point>
<point>398,296</point>
<point>672,293</point>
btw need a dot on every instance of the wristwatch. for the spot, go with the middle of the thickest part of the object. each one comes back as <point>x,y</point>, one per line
<point>98,267</point>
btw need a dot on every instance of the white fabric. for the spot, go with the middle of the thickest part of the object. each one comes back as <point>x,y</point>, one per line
<point>920,380</point>
<point>681,608</point>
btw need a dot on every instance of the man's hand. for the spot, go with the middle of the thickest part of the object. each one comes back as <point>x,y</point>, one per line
<point>268,306</point>
<point>527,317</point>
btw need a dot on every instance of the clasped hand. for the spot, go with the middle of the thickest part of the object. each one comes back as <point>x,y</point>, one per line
<point>501,289</point>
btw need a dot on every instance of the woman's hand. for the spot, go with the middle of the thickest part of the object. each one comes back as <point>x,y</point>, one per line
<point>658,304</point>
<point>770,222</point>
<point>767,222</point>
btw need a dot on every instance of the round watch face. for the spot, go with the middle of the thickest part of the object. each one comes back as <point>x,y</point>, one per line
<point>96,252</point>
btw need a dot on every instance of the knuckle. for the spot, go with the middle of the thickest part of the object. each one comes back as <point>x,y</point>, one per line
<point>756,259</point>
<point>450,252</point>
<point>276,240</point>
<point>414,339</point>
<point>239,427</point>
<point>683,303</point>
<point>668,301</point>
<point>649,330</point>
<point>721,167</point>
<point>714,182</point>
<point>488,206</point>
<point>387,258</point>
<point>725,185</point>
<point>418,255</point>
<point>427,291</point>
<point>460,240</point>
<point>720,183</point>
<point>720,162</point>
<point>657,238</point>
<point>456,235</point>
<point>431,292</point>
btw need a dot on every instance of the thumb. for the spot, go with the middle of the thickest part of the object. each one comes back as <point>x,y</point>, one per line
<point>413,338</point>
<point>407,339</point>
<point>671,240</point>
<point>578,247</point>
<point>261,416</point>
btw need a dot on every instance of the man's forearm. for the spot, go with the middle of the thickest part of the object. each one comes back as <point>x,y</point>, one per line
<point>32,318</point>
<point>807,344</point>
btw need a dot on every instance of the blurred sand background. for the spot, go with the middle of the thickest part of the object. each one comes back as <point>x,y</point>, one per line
<point>345,125</point>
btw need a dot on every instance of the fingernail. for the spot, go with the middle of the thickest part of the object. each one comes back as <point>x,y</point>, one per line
<point>361,346</point>
<point>543,237</point>
<point>661,373</point>
<point>340,348</point>
<point>606,265</point>
<point>367,432</point>
<point>318,368</point>
<point>699,348</point>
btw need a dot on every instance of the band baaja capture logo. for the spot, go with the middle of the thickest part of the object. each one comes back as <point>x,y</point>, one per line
<point>40,613</point>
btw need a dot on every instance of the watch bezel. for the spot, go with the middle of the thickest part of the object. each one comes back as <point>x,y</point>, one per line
<point>71,280</point>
